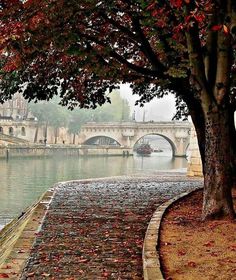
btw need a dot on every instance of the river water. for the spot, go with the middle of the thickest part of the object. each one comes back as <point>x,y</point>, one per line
<point>23,180</point>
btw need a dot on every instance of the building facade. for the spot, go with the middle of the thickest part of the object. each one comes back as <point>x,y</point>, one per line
<point>16,108</point>
<point>17,121</point>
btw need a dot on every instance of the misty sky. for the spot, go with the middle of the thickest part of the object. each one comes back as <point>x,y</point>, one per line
<point>157,110</point>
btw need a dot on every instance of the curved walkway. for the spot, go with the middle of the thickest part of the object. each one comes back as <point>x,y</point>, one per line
<point>95,229</point>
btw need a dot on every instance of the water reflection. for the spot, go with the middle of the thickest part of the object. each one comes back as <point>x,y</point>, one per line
<point>24,180</point>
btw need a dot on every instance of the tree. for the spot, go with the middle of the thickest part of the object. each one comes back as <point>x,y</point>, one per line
<point>80,50</point>
<point>117,110</point>
<point>50,113</point>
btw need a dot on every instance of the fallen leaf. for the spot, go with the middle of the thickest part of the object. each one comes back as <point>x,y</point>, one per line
<point>4,275</point>
<point>20,251</point>
<point>181,253</point>
<point>45,274</point>
<point>7,267</point>
<point>214,254</point>
<point>192,264</point>
<point>209,243</point>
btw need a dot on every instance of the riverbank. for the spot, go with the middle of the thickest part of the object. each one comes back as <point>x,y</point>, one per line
<point>35,150</point>
<point>94,229</point>
<point>17,238</point>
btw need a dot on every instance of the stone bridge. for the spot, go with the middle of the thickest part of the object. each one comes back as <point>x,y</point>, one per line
<point>126,134</point>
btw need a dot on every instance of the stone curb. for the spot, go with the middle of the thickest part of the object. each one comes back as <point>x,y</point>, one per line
<point>150,254</point>
<point>17,238</point>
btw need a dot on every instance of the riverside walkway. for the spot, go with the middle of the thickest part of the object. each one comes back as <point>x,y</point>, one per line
<point>94,229</point>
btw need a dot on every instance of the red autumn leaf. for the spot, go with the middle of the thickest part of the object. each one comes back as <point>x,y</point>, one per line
<point>216,27</point>
<point>209,244</point>
<point>199,17</point>
<point>36,20</point>
<point>105,274</point>
<point>192,264</point>
<point>155,13</point>
<point>4,275</point>
<point>6,267</point>
<point>151,6</point>
<point>177,3</point>
<point>181,253</point>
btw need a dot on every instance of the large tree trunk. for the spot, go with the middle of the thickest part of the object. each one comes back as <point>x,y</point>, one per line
<point>233,145</point>
<point>217,202</point>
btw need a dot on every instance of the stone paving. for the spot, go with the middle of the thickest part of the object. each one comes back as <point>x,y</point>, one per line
<point>95,229</point>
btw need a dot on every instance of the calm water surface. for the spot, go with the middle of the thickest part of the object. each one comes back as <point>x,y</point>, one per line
<point>24,180</point>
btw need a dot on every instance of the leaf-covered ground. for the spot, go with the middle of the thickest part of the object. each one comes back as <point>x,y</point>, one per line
<point>95,230</point>
<point>192,249</point>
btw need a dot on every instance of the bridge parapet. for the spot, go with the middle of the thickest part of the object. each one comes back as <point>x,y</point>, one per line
<point>177,133</point>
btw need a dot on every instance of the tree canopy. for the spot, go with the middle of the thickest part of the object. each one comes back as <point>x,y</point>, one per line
<point>58,116</point>
<point>80,50</point>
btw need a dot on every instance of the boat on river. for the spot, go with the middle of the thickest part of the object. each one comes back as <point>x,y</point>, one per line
<point>157,150</point>
<point>144,149</point>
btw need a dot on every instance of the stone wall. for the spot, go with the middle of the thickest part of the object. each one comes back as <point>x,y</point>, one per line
<point>195,163</point>
<point>63,150</point>
<point>35,132</point>
<point>105,151</point>
<point>37,151</point>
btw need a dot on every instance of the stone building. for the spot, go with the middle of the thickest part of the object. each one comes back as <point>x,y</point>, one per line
<point>17,121</point>
<point>16,108</point>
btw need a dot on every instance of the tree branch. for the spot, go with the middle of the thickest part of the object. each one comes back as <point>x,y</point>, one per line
<point>146,47</point>
<point>197,65</point>
<point>211,52</point>
<point>224,58</point>
<point>121,59</point>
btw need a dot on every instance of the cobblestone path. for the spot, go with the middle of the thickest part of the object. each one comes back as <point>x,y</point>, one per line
<point>95,230</point>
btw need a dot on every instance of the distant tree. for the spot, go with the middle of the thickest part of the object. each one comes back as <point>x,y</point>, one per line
<point>50,114</point>
<point>117,110</point>
<point>84,48</point>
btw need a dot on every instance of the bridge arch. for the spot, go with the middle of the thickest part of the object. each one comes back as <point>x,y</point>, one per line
<point>102,140</point>
<point>172,144</point>
<point>128,133</point>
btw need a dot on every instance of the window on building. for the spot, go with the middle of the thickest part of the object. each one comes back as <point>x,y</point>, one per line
<point>1,129</point>
<point>23,131</point>
<point>10,130</point>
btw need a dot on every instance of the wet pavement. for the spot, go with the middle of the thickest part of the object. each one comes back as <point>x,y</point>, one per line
<point>95,229</point>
